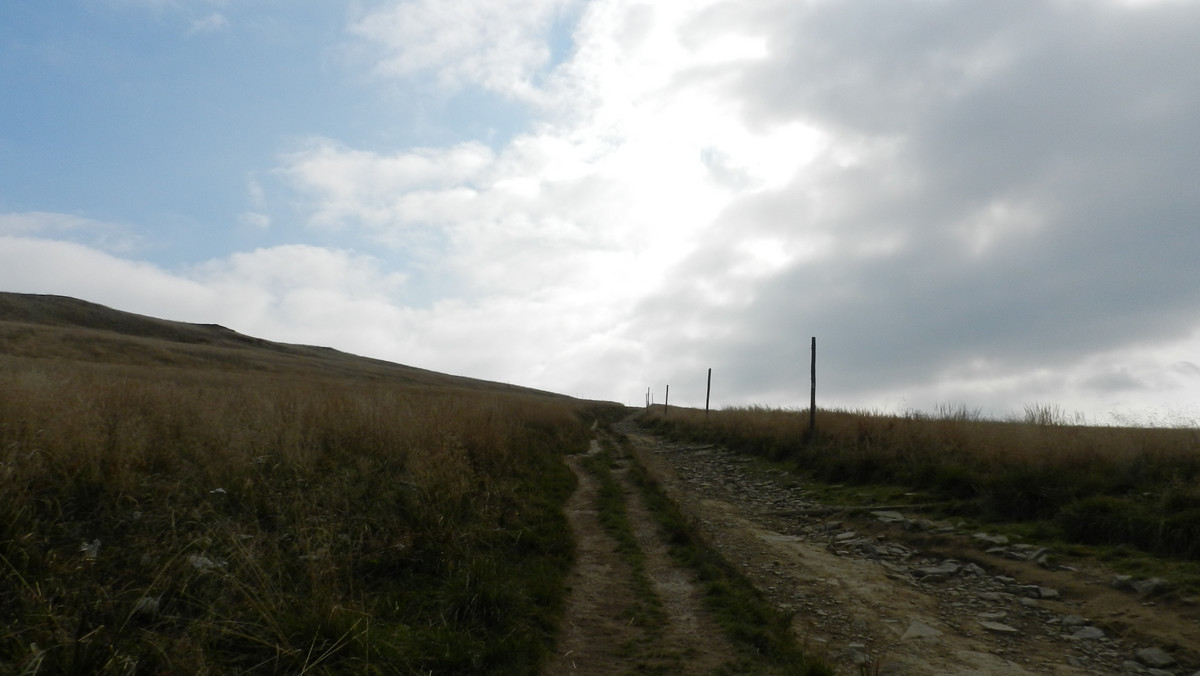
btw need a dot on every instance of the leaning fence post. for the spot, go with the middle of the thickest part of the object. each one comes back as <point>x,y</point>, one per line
<point>666,399</point>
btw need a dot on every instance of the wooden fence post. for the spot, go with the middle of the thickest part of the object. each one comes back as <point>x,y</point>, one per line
<point>666,399</point>
<point>707,392</point>
<point>812,398</point>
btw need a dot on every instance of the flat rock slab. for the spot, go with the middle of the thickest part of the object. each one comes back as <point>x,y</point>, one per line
<point>1155,657</point>
<point>919,630</point>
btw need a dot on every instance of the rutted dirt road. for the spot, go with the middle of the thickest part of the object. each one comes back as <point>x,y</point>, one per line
<point>876,593</point>
<point>606,630</point>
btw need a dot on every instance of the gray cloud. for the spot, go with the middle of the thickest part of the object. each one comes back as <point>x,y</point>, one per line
<point>1024,195</point>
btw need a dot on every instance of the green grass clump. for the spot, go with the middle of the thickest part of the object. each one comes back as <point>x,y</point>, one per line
<point>176,520</point>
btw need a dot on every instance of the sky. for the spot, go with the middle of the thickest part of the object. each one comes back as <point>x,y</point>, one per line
<point>987,206</point>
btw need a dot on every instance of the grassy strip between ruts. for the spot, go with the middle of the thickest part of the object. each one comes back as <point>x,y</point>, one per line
<point>760,631</point>
<point>647,611</point>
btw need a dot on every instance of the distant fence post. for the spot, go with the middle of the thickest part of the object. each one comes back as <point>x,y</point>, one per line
<point>812,396</point>
<point>666,399</point>
<point>647,397</point>
<point>707,392</point>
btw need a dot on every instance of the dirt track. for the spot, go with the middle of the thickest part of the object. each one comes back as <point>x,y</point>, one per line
<point>859,587</point>
<point>605,630</point>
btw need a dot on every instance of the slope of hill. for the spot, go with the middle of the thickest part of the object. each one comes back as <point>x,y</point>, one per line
<point>181,498</point>
<point>59,327</point>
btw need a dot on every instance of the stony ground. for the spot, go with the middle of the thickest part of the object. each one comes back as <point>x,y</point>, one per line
<point>887,592</point>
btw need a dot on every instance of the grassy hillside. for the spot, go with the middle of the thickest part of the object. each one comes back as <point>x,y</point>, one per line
<point>61,328</point>
<point>178,498</point>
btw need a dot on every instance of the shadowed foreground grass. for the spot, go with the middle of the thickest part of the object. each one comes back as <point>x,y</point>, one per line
<point>160,520</point>
<point>1137,487</point>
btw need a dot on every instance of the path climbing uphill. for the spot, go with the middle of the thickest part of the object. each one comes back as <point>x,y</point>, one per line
<point>648,597</point>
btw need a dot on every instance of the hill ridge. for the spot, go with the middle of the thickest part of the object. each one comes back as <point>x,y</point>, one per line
<point>51,326</point>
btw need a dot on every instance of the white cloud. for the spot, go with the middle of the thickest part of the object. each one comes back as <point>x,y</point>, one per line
<point>723,177</point>
<point>254,219</point>
<point>499,45</point>
<point>597,195</point>
<point>106,236</point>
<point>317,296</point>
<point>37,265</point>
<point>364,188</point>
<point>210,23</point>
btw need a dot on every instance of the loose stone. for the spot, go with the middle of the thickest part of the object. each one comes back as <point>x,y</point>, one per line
<point>991,539</point>
<point>1047,593</point>
<point>944,571</point>
<point>1154,585</point>
<point>1155,657</point>
<point>1027,590</point>
<point>1073,621</point>
<point>918,629</point>
<point>1088,634</point>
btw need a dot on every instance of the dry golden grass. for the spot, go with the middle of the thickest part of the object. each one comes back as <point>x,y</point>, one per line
<point>213,523</point>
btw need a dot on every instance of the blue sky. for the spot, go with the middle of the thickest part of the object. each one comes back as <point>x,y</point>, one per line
<point>156,115</point>
<point>981,204</point>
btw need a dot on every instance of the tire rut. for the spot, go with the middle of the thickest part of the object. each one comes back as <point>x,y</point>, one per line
<point>601,632</point>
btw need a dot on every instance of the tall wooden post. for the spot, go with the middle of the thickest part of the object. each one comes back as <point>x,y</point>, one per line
<point>666,398</point>
<point>647,397</point>
<point>812,398</point>
<point>707,392</point>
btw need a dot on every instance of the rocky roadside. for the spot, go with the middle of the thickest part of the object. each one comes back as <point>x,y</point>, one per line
<point>883,591</point>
